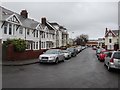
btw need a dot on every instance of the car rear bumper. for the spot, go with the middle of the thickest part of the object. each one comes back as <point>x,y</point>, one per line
<point>114,66</point>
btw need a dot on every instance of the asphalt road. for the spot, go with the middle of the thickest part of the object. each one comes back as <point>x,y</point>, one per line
<point>82,71</point>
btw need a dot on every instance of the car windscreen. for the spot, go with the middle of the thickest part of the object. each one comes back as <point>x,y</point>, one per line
<point>65,51</point>
<point>52,52</point>
<point>116,55</point>
<point>70,49</point>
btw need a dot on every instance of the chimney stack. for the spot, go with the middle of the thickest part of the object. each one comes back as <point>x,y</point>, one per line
<point>106,30</point>
<point>24,13</point>
<point>43,20</point>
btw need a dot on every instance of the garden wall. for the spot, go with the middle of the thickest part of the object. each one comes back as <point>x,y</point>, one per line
<point>10,54</point>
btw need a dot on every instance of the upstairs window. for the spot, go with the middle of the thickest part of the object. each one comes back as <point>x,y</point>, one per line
<point>44,35</point>
<point>110,34</point>
<point>21,30</point>
<point>37,33</point>
<point>5,28</point>
<point>10,29</point>
<point>110,40</point>
<point>28,32</point>
<point>14,27</point>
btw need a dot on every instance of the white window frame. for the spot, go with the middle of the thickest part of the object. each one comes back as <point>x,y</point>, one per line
<point>5,28</point>
<point>20,30</point>
<point>10,29</point>
<point>28,44</point>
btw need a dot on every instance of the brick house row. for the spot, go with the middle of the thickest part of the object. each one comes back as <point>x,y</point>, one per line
<point>37,34</point>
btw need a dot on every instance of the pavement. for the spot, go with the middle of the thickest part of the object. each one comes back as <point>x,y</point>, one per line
<point>19,62</point>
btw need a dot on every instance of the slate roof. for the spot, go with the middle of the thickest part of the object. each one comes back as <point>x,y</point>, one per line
<point>26,22</point>
<point>115,32</point>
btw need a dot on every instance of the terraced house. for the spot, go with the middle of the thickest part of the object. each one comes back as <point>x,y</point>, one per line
<point>37,34</point>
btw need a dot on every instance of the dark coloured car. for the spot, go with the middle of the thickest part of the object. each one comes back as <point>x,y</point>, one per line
<point>73,51</point>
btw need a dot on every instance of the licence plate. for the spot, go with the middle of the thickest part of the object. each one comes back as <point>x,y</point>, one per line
<point>44,59</point>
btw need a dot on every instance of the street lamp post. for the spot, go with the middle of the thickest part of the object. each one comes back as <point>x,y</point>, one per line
<point>72,34</point>
<point>119,37</point>
<point>72,37</point>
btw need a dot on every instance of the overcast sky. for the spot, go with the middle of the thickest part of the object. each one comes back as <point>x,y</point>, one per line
<point>79,17</point>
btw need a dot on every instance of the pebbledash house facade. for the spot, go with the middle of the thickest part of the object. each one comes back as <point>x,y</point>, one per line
<point>38,35</point>
<point>111,39</point>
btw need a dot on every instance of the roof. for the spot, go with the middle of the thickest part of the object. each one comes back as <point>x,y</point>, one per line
<point>114,33</point>
<point>26,22</point>
<point>54,23</point>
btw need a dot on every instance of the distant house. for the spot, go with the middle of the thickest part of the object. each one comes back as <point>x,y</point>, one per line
<point>101,42</point>
<point>38,35</point>
<point>111,39</point>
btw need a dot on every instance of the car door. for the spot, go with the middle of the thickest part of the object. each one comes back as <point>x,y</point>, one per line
<point>61,55</point>
<point>116,57</point>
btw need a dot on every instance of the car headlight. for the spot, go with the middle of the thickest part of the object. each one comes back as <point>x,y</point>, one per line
<point>52,57</point>
<point>40,57</point>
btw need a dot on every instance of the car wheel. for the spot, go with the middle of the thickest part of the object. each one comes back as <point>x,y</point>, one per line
<point>109,68</point>
<point>41,63</point>
<point>56,61</point>
<point>104,64</point>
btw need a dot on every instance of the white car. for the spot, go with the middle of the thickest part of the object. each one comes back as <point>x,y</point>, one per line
<point>79,48</point>
<point>67,54</point>
<point>52,56</point>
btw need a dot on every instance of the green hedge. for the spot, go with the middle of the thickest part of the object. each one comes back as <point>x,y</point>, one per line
<point>19,44</point>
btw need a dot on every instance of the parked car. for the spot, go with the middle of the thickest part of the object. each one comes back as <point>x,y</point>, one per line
<point>67,54</point>
<point>52,56</point>
<point>102,55</point>
<point>112,61</point>
<point>73,51</point>
<point>98,51</point>
<point>79,49</point>
<point>94,47</point>
<point>83,47</point>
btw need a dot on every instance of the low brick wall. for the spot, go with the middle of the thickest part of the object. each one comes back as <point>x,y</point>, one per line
<point>28,54</point>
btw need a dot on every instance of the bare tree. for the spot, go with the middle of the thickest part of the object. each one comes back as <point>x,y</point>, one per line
<point>82,39</point>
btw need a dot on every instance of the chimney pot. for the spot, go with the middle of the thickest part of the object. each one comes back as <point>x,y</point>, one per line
<point>106,30</point>
<point>43,20</point>
<point>24,13</point>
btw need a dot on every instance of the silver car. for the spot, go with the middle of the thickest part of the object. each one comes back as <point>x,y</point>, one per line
<point>112,61</point>
<point>67,54</point>
<point>52,56</point>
